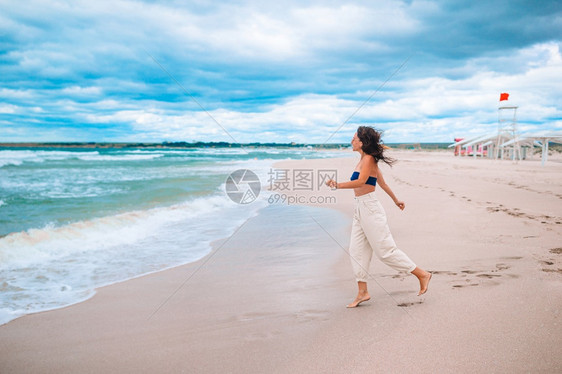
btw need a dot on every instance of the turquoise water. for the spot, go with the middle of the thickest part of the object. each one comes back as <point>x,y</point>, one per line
<point>72,220</point>
<point>41,187</point>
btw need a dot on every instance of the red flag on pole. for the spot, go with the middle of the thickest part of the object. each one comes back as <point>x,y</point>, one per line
<point>504,96</point>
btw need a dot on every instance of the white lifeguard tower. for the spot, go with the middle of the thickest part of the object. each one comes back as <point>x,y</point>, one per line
<point>507,142</point>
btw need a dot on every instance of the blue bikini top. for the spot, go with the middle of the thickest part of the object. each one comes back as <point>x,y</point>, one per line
<point>371,180</point>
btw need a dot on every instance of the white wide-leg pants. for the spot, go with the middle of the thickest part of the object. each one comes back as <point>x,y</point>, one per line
<point>370,233</point>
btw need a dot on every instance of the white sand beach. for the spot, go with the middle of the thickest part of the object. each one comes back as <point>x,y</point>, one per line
<point>271,298</point>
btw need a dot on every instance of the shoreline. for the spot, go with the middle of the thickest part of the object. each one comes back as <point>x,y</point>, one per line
<point>160,305</point>
<point>278,296</point>
<point>80,291</point>
<point>114,278</point>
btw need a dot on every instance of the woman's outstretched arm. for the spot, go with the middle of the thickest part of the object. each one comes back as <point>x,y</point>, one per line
<point>382,184</point>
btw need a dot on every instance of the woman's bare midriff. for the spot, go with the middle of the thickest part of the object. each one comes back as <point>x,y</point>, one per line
<point>365,189</point>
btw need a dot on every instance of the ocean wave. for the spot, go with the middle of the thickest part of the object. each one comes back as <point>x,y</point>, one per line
<point>55,266</point>
<point>163,151</point>
<point>18,157</point>
<point>60,189</point>
<point>10,157</point>
<point>5,162</point>
<point>35,245</point>
<point>121,157</point>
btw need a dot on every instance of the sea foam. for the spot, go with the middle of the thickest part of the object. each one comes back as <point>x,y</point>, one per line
<point>80,219</point>
<point>53,266</point>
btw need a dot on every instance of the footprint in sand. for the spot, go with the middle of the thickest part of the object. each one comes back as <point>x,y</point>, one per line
<point>404,305</point>
<point>464,285</point>
<point>473,277</point>
<point>501,266</point>
<point>559,271</point>
<point>400,276</point>
<point>515,212</point>
<point>552,262</point>
<point>443,272</point>
<point>489,276</point>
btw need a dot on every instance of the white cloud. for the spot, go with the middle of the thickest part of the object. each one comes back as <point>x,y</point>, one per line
<point>80,62</point>
<point>427,109</point>
<point>77,90</point>
<point>8,93</point>
<point>8,108</point>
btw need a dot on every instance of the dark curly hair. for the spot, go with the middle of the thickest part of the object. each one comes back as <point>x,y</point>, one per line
<point>372,145</point>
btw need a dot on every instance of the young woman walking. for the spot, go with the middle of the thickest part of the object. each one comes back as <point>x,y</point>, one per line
<point>370,232</point>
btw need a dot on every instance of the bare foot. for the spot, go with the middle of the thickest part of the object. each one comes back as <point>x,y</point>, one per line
<point>424,283</point>
<point>358,300</point>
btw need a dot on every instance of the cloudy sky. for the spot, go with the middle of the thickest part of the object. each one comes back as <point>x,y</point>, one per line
<point>275,71</point>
